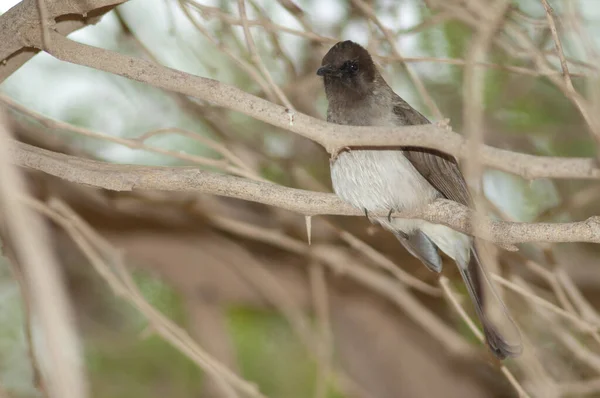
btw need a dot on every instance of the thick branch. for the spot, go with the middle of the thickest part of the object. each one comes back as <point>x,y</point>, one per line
<point>331,136</point>
<point>20,34</point>
<point>129,177</point>
<point>64,374</point>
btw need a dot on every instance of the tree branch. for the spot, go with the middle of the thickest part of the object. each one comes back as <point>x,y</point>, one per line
<point>60,355</point>
<point>331,136</point>
<point>129,177</point>
<point>20,34</point>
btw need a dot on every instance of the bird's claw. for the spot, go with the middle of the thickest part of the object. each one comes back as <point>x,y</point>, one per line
<point>367,214</point>
<point>389,217</point>
<point>336,153</point>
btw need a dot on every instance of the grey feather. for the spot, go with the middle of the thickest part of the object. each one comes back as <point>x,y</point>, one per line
<point>503,339</point>
<point>420,246</point>
<point>439,169</point>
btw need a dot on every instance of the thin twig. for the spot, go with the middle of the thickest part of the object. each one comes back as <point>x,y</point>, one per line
<point>318,284</point>
<point>231,163</point>
<point>419,85</point>
<point>97,250</point>
<point>257,59</point>
<point>244,66</point>
<point>342,263</point>
<point>388,265</point>
<point>473,115</point>
<point>557,43</point>
<point>573,318</point>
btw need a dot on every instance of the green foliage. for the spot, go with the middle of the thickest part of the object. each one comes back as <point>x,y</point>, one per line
<point>135,367</point>
<point>521,199</point>
<point>271,354</point>
<point>457,37</point>
<point>126,364</point>
<point>539,105</point>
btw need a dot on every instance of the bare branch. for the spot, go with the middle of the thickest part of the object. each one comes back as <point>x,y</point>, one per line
<point>96,249</point>
<point>229,163</point>
<point>129,177</point>
<point>473,114</point>
<point>419,85</point>
<point>256,57</point>
<point>61,359</point>
<point>43,13</point>
<point>20,33</point>
<point>331,136</point>
<point>558,44</point>
<point>445,284</point>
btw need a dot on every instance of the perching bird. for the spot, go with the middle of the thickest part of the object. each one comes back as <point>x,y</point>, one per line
<point>382,180</point>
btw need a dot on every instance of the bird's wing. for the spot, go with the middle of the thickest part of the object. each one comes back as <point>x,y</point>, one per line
<point>438,168</point>
<point>419,245</point>
<point>441,171</point>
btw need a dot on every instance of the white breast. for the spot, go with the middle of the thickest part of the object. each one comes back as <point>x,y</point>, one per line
<point>385,180</point>
<point>380,181</point>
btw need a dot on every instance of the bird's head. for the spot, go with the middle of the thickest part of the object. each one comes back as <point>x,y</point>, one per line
<point>349,68</point>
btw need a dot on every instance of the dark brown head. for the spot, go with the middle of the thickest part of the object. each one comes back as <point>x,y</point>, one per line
<point>348,67</point>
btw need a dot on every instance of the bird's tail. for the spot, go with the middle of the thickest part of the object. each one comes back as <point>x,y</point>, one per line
<point>501,332</point>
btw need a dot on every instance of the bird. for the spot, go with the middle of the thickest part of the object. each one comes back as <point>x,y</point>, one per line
<point>394,179</point>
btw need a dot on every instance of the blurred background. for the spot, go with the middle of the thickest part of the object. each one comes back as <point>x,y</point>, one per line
<point>353,314</point>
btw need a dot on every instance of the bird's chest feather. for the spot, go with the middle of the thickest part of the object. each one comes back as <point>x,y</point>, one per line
<point>374,110</point>
<point>380,180</point>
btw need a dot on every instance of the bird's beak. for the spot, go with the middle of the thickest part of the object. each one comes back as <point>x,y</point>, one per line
<point>325,70</point>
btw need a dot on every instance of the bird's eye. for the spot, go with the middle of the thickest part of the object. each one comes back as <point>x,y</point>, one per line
<point>351,66</point>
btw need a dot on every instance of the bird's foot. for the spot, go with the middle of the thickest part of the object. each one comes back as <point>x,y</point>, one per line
<point>336,153</point>
<point>367,214</point>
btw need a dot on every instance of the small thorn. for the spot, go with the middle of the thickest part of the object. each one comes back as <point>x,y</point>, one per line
<point>308,220</point>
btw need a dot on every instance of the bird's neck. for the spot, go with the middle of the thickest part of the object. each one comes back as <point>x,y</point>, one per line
<point>373,108</point>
